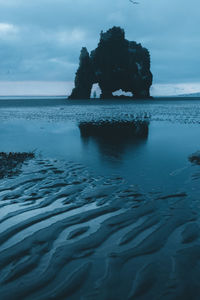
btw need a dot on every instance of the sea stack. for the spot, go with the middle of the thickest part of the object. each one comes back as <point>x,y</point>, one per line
<point>116,64</point>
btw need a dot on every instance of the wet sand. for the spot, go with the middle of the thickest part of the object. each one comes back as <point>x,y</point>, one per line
<point>69,232</point>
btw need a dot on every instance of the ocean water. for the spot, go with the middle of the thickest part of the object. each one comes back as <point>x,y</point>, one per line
<point>158,160</point>
<point>109,207</point>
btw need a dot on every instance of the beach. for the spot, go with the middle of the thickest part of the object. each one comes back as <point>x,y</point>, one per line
<point>108,207</point>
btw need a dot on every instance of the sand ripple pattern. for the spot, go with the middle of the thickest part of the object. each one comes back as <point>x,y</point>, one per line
<point>66,234</point>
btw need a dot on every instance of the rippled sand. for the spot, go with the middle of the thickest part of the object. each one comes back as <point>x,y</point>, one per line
<point>68,233</point>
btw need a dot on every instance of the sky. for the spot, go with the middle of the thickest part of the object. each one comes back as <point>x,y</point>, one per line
<point>40,41</point>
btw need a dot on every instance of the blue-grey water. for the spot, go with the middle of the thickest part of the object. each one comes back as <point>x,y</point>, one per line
<point>159,161</point>
<point>109,207</point>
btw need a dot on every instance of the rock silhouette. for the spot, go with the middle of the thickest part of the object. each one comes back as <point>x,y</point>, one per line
<point>195,158</point>
<point>115,64</point>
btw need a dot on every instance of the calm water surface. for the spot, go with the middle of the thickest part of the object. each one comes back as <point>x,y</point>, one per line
<point>157,160</point>
<point>109,209</point>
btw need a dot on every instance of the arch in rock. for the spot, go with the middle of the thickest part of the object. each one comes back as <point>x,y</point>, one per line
<point>95,91</point>
<point>115,64</point>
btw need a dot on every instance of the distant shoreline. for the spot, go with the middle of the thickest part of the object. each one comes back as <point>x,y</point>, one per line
<point>29,97</point>
<point>18,101</point>
<point>49,97</point>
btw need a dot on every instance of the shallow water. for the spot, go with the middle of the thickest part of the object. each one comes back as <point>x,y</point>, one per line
<point>102,212</point>
<point>157,161</point>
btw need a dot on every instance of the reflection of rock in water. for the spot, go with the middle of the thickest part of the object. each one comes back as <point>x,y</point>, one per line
<point>113,138</point>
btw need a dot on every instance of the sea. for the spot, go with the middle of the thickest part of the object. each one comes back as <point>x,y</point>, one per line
<point>109,207</point>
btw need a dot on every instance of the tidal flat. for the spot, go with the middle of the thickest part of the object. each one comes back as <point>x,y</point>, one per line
<point>109,206</point>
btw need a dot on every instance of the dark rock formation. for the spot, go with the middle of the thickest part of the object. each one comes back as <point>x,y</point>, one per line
<point>84,77</point>
<point>10,163</point>
<point>195,158</point>
<point>115,64</point>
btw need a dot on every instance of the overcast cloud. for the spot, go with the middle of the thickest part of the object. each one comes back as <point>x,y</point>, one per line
<point>40,40</point>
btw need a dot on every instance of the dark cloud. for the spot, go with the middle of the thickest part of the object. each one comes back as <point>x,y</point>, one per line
<point>41,40</point>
